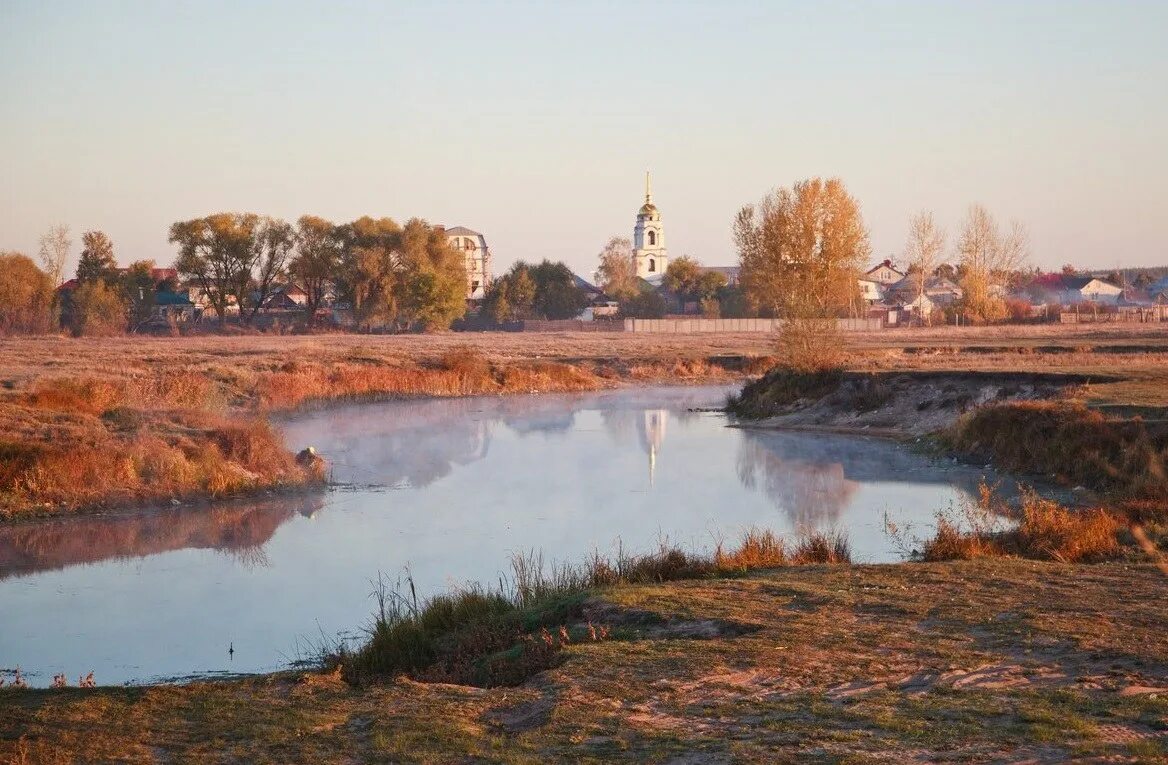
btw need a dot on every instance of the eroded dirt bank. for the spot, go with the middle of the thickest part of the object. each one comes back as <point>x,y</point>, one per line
<point>893,403</point>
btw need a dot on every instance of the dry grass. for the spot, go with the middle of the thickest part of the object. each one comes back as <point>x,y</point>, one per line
<point>500,636</point>
<point>1044,530</point>
<point>1122,455</point>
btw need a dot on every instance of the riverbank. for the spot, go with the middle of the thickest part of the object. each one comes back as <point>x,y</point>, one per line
<point>1053,423</point>
<point>994,660</point>
<point>112,424</point>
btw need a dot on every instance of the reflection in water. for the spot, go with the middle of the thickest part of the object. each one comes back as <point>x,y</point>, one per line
<point>237,529</point>
<point>812,495</point>
<point>424,443</point>
<point>812,478</point>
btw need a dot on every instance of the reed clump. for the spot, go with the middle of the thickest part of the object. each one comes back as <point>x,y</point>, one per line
<point>500,635</point>
<point>1039,529</point>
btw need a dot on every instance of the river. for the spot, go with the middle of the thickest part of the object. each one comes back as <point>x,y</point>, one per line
<point>449,489</point>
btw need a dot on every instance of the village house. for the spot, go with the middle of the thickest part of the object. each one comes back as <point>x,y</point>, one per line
<point>871,291</point>
<point>884,273</point>
<point>1070,289</point>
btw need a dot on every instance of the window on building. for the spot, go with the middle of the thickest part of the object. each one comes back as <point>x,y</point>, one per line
<point>652,238</point>
<point>652,265</point>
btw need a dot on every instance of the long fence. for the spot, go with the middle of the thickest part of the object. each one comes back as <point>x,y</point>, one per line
<point>685,326</point>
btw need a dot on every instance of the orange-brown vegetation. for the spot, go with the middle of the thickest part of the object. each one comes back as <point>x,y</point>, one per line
<point>1039,529</point>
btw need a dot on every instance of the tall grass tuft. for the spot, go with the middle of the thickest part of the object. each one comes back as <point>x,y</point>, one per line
<point>501,635</point>
<point>1038,528</point>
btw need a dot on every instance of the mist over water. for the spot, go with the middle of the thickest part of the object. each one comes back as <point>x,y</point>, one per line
<point>449,488</point>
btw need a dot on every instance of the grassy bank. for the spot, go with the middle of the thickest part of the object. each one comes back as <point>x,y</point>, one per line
<point>999,660</point>
<point>501,636</point>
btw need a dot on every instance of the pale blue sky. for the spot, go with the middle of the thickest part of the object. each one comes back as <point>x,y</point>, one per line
<point>534,122</point>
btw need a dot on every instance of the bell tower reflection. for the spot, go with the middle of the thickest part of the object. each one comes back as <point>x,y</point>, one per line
<point>652,434</point>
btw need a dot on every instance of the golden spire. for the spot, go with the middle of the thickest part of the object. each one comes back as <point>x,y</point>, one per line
<point>648,188</point>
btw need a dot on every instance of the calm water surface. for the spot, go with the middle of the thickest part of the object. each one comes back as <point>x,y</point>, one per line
<point>450,489</point>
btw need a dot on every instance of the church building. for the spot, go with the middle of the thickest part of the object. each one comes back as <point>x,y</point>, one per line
<point>649,240</point>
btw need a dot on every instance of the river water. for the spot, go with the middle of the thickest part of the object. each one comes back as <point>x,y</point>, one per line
<point>449,489</point>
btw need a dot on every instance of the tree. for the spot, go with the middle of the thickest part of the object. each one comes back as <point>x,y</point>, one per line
<point>218,253</point>
<point>546,290</point>
<point>26,296</point>
<point>988,258</point>
<point>316,262</point>
<point>617,273</point>
<point>802,249</point>
<point>138,288</point>
<point>556,293</point>
<point>97,309</point>
<point>272,243</point>
<point>511,297</point>
<point>97,260</point>
<point>431,278</point>
<point>945,271</point>
<point>368,267</point>
<point>1069,270</point>
<point>54,251</point>
<point>926,243</point>
<point>692,283</point>
<point>645,305</point>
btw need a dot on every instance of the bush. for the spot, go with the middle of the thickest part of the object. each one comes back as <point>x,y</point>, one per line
<point>812,344</point>
<point>97,310</point>
<point>26,296</point>
<point>647,305</point>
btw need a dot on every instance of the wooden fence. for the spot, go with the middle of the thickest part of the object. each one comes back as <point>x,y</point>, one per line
<point>685,326</point>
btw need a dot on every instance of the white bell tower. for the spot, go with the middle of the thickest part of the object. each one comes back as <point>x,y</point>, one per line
<point>649,239</point>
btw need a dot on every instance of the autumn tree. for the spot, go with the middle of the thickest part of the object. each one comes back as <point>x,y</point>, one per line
<point>801,252</point>
<point>97,260</point>
<point>617,273</point>
<point>546,290</point>
<point>511,297</point>
<point>368,267</point>
<point>217,253</point>
<point>988,260</point>
<point>923,251</point>
<point>26,296</point>
<point>97,309</point>
<point>431,279</point>
<point>686,277</point>
<point>802,249</point>
<point>316,262</point>
<point>138,288</point>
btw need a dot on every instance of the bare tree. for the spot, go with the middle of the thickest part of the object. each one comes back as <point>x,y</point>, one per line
<point>272,245</point>
<point>55,245</point>
<point>989,259</point>
<point>926,244</point>
<point>617,273</point>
